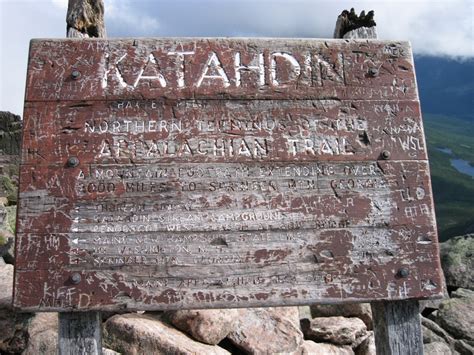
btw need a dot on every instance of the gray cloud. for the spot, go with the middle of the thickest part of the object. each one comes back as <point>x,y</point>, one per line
<point>441,28</point>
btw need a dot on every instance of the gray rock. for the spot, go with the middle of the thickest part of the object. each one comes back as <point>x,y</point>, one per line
<point>7,246</point>
<point>13,325</point>
<point>463,347</point>
<point>458,262</point>
<point>42,334</point>
<point>430,337</point>
<point>359,310</point>
<point>146,334</point>
<point>209,326</point>
<point>335,330</point>
<point>437,348</point>
<point>10,133</point>
<point>367,346</point>
<point>463,293</point>
<point>311,348</point>
<point>263,330</point>
<point>456,316</point>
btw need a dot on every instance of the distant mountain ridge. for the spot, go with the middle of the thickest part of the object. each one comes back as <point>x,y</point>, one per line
<point>446,86</point>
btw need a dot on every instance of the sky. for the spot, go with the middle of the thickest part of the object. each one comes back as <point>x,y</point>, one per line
<point>438,28</point>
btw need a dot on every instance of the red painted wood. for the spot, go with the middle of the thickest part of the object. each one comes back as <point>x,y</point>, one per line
<point>177,183</point>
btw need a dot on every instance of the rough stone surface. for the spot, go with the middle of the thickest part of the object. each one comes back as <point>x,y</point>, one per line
<point>209,326</point>
<point>335,330</point>
<point>463,293</point>
<point>7,245</point>
<point>290,313</point>
<point>10,133</point>
<point>311,348</point>
<point>13,325</point>
<point>430,336</point>
<point>456,316</point>
<point>367,346</point>
<point>359,310</point>
<point>43,334</point>
<point>262,330</point>
<point>458,262</point>
<point>437,348</point>
<point>146,334</point>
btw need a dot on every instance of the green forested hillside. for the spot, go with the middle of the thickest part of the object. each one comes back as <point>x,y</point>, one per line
<point>453,191</point>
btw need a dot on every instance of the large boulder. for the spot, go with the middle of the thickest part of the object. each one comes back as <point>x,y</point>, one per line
<point>267,330</point>
<point>437,348</point>
<point>146,334</point>
<point>458,262</point>
<point>209,326</point>
<point>359,310</point>
<point>335,330</point>
<point>456,316</point>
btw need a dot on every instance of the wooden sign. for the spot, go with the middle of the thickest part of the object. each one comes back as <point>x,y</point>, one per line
<point>207,173</point>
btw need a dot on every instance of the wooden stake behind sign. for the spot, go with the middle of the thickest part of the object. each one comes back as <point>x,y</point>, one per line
<point>81,333</point>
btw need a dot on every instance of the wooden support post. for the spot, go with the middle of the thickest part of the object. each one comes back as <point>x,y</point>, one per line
<point>80,333</point>
<point>397,327</point>
<point>397,324</point>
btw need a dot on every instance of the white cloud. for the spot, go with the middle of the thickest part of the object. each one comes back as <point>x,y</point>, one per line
<point>442,28</point>
<point>62,4</point>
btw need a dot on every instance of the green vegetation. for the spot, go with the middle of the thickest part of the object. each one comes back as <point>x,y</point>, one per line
<point>453,191</point>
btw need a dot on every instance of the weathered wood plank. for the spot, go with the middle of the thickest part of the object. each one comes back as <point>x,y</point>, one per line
<point>219,68</point>
<point>295,181</point>
<point>397,327</point>
<point>223,131</point>
<point>80,333</point>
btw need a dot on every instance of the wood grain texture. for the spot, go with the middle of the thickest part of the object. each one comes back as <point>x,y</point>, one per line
<point>211,68</point>
<point>397,327</point>
<point>201,182</point>
<point>80,333</point>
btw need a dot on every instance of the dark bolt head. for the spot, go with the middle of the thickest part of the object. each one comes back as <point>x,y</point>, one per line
<point>386,154</point>
<point>373,72</point>
<point>72,162</point>
<point>403,272</point>
<point>76,278</point>
<point>76,74</point>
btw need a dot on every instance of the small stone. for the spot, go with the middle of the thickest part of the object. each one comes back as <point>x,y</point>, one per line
<point>146,334</point>
<point>359,310</point>
<point>262,330</point>
<point>209,326</point>
<point>429,336</point>
<point>437,348</point>
<point>367,346</point>
<point>311,348</point>
<point>335,330</point>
